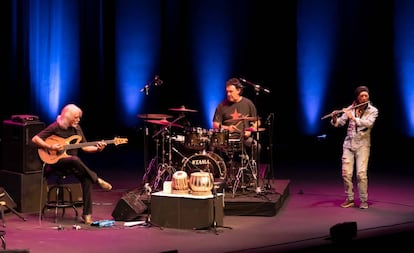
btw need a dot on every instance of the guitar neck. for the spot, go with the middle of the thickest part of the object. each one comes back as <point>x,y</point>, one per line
<point>84,144</point>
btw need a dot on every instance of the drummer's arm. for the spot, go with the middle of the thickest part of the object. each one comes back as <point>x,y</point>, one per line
<point>216,125</point>
<point>231,128</point>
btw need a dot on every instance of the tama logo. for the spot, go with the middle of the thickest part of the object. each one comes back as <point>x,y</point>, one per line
<point>201,162</point>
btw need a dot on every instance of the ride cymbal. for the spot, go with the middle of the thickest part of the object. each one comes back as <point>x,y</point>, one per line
<point>154,116</point>
<point>182,109</point>
<point>163,122</point>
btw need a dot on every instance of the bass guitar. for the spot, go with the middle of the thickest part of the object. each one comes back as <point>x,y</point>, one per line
<point>73,142</point>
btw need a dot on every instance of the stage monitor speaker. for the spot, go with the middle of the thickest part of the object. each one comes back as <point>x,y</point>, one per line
<point>19,153</point>
<point>4,196</point>
<point>343,231</point>
<point>129,207</point>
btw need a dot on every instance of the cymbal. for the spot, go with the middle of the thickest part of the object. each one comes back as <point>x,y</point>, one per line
<point>242,118</point>
<point>252,129</point>
<point>163,122</point>
<point>182,109</point>
<point>154,116</point>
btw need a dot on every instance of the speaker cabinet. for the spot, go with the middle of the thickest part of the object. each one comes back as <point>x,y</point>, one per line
<point>19,153</point>
<point>129,207</point>
<point>25,190</point>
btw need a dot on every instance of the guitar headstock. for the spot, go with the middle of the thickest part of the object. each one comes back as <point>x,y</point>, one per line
<point>118,140</point>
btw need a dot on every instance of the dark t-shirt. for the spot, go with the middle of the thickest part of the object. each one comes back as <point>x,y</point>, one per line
<point>227,111</point>
<point>54,129</point>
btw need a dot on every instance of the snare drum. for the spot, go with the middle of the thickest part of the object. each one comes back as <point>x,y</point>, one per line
<point>219,138</point>
<point>179,184</point>
<point>201,183</point>
<point>196,138</point>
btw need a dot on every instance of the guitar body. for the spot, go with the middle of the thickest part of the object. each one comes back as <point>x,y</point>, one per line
<point>52,156</point>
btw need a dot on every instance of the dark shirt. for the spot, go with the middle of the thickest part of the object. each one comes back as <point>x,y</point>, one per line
<point>54,129</point>
<point>227,114</point>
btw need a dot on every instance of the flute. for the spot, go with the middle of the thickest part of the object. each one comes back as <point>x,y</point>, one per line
<point>343,110</point>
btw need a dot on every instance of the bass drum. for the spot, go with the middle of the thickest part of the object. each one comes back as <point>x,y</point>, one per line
<point>205,162</point>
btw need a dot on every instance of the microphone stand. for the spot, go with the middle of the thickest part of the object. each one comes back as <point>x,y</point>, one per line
<point>270,124</point>
<point>213,226</point>
<point>257,89</point>
<point>148,222</point>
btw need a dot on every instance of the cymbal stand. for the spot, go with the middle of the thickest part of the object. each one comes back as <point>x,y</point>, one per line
<point>152,165</point>
<point>246,164</point>
<point>164,169</point>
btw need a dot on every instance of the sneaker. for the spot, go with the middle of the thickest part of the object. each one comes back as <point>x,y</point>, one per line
<point>363,205</point>
<point>104,185</point>
<point>348,203</point>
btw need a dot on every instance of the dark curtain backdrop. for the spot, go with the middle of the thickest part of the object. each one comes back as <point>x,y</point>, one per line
<point>364,54</point>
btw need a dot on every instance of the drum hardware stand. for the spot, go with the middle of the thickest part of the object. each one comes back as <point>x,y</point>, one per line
<point>214,227</point>
<point>269,122</point>
<point>148,223</point>
<point>165,170</point>
<point>246,165</point>
<point>257,88</point>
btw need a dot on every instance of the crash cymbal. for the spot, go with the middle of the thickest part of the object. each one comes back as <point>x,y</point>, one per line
<point>182,109</point>
<point>154,116</point>
<point>242,118</point>
<point>163,122</point>
<point>252,129</point>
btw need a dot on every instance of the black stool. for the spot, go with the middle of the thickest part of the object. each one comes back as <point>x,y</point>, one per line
<point>59,196</point>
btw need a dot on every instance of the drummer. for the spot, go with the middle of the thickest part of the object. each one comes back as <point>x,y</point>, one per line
<point>237,115</point>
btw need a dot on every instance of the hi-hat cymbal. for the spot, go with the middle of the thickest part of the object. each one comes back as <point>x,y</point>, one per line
<point>252,129</point>
<point>242,118</point>
<point>182,109</point>
<point>163,122</point>
<point>154,116</point>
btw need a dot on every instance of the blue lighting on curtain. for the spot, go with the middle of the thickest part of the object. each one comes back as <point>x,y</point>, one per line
<point>315,27</point>
<point>214,47</point>
<point>404,59</point>
<point>54,54</point>
<point>138,36</point>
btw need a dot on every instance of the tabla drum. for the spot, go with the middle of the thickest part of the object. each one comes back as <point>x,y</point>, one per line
<point>196,138</point>
<point>219,138</point>
<point>179,183</point>
<point>201,183</point>
<point>205,162</point>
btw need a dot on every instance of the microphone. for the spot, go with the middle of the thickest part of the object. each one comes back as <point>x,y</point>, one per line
<point>157,81</point>
<point>256,86</point>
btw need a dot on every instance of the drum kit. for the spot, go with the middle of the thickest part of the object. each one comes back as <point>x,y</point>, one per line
<point>197,150</point>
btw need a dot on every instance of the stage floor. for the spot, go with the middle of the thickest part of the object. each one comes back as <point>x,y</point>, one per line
<point>305,205</point>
